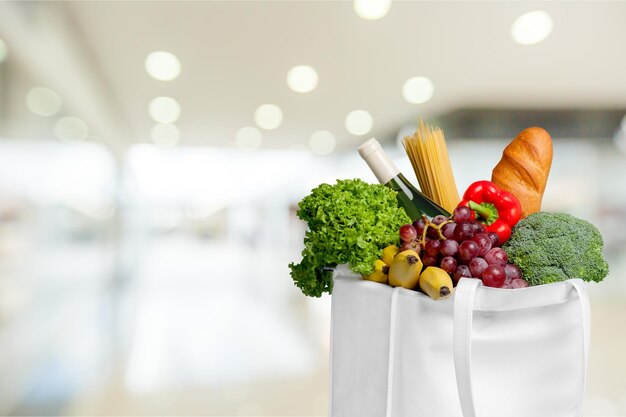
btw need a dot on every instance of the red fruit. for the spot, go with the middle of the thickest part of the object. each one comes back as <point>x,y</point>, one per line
<point>407,233</point>
<point>519,283</point>
<point>448,264</point>
<point>462,271</point>
<point>433,247</point>
<point>496,256</point>
<point>512,272</point>
<point>430,260</point>
<point>494,276</point>
<point>412,245</point>
<point>468,250</point>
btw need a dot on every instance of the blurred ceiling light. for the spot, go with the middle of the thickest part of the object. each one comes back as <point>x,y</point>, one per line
<point>164,109</point>
<point>371,9</point>
<point>71,129</point>
<point>418,90</point>
<point>268,116</point>
<point>532,27</point>
<point>359,122</point>
<point>302,79</point>
<point>163,66</point>
<point>248,138</point>
<point>322,142</point>
<point>43,101</point>
<point>165,135</point>
<point>4,50</point>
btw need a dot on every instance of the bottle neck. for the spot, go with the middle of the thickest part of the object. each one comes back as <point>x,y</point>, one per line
<point>382,166</point>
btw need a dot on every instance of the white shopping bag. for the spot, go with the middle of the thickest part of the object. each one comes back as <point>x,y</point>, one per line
<point>484,352</point>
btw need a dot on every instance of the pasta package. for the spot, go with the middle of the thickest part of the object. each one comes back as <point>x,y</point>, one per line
<point>428,153</point>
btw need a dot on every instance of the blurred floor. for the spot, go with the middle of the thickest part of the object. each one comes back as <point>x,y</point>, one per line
<point>308,394</point>
<point>200,331</point>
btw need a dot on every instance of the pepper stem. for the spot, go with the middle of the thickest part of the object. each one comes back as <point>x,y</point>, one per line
<point>487,211</point>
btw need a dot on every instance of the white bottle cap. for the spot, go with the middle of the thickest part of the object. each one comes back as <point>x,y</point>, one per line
<point>378,161</point>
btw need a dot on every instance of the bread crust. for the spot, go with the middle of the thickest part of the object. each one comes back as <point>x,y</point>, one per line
<point>524,168</point>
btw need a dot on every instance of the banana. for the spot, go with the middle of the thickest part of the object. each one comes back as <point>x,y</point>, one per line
<point>405,269</point>
<point>380,272</point>
<point>389,253</point>
<point>435,282</point>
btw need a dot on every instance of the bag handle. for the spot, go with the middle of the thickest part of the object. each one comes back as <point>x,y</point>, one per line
<point>465,298</point>
<point>464,295</point>
<point>392,347</point>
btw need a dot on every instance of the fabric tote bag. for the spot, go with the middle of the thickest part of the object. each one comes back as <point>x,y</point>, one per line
<point>483,352</point>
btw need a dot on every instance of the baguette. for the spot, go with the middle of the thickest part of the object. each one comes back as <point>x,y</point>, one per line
<point>524,168</point>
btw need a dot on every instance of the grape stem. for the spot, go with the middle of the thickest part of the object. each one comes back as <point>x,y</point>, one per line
<point>437,227</point>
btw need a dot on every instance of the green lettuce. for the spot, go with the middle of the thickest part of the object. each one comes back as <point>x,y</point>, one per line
<point>349,222</point>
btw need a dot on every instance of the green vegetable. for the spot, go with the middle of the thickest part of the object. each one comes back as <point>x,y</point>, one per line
<point>550,247</point>
<point>350,222</point>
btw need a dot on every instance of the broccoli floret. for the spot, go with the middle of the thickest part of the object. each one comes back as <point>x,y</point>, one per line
<point>551,247</point>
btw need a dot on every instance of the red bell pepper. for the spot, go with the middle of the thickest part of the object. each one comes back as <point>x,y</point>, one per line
<point>497,209</point>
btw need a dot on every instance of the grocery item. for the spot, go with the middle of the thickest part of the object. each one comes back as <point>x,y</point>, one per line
<point>461,271</point>
<point>380,274</point>
<point>428,153</point>
<point>462,248</point>
<point>407,233</point>
<point>405,269</point>
<point>494,276</point>
<point>551,247</point>
<point>497,256</point>
<point>411,200</point>
<point>389,252</point>
<point>524,168</point>
<point>349,223</point>
<point>435,282</point>
<point>497,209</point>
<point>516,283</point>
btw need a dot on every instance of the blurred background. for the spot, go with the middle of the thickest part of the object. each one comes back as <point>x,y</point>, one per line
<point>152,156</point>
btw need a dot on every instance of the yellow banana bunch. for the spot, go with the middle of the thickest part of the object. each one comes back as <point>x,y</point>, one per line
<point>389,253</point>
<point>405,269</point>
<point>435,282</point>
<point>381,269</point>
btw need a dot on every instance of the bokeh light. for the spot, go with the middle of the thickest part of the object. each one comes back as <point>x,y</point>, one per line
<point>302,79</point>
<point>359,122</point>
<point>43,101</point>
<point>163,66</point>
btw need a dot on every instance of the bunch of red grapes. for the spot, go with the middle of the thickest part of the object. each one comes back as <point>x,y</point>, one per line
<point>462,247</point>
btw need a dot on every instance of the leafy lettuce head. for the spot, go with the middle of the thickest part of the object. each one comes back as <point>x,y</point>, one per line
<point>349,222</point>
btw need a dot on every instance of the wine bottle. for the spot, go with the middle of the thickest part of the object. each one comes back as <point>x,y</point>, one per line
<point>410,199</point>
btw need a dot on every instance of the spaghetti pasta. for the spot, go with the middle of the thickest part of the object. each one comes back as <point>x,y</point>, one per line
<point>428,153</point>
